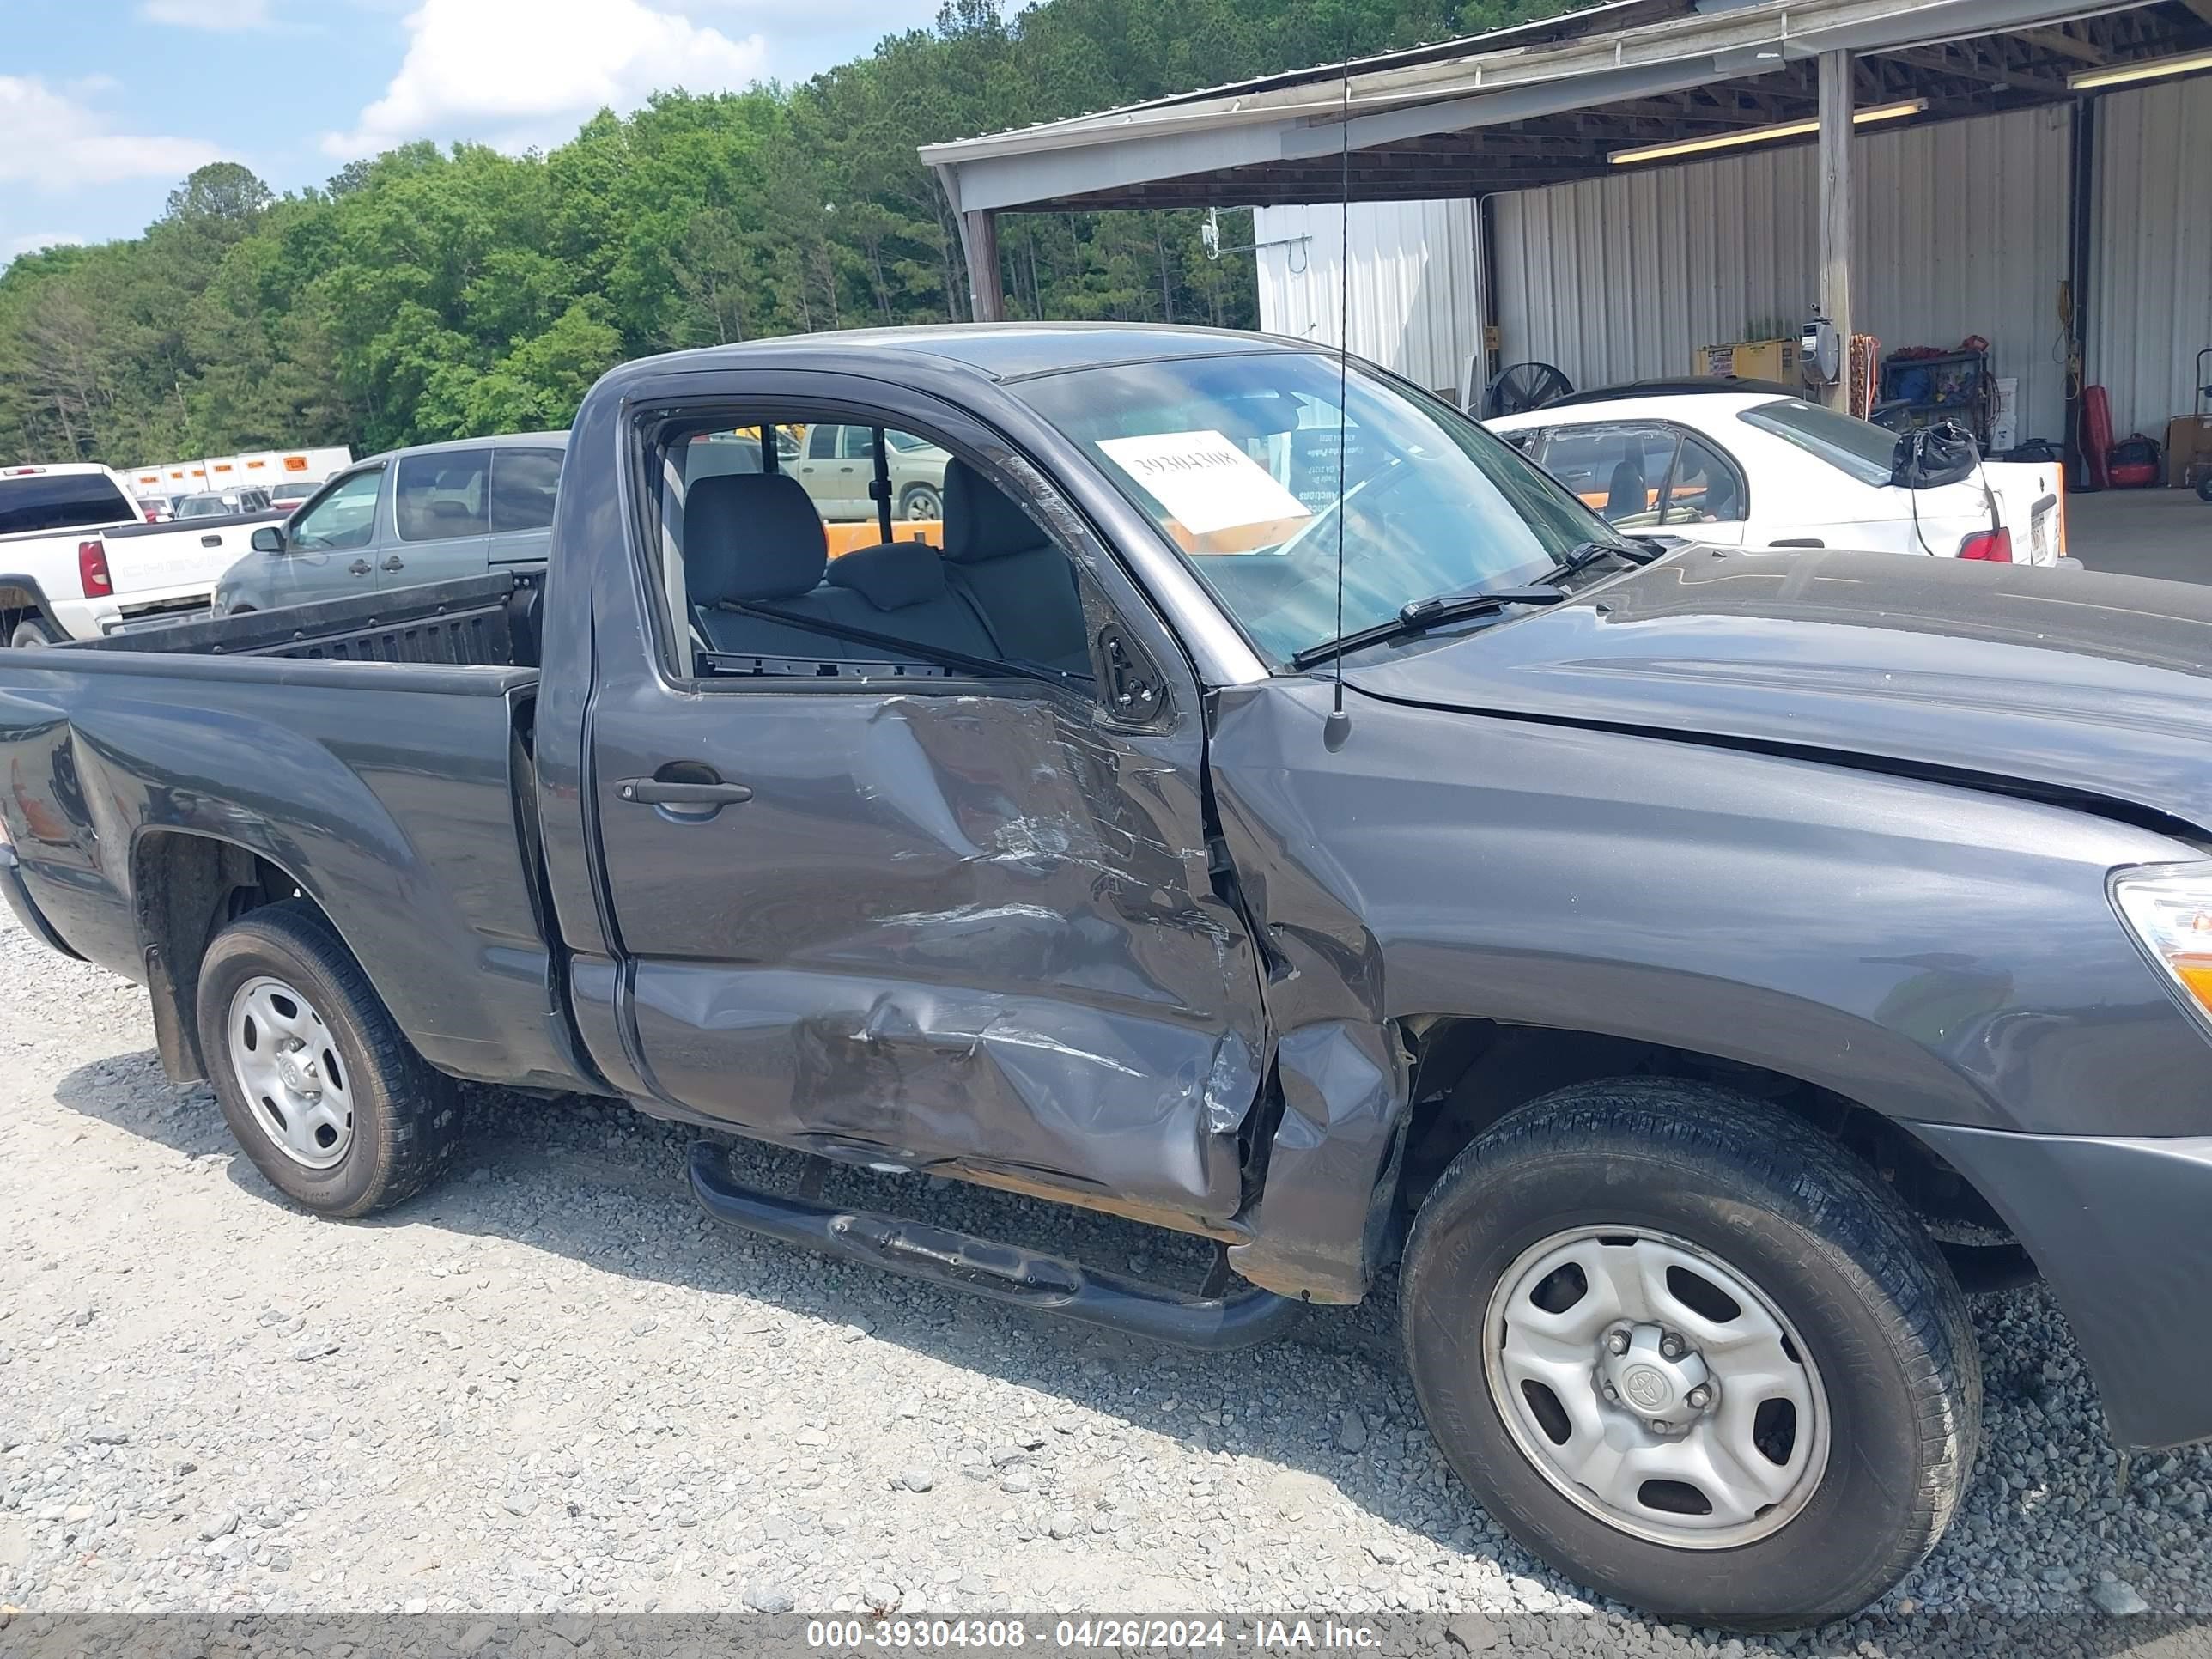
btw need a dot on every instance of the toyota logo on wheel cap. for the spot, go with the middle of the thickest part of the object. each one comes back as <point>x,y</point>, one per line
<point>1645,1387</point>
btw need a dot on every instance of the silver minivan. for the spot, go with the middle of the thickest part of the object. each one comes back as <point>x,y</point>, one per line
<point>427,513</point>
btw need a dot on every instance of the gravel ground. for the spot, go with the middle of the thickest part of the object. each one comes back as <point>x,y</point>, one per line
<point>553,1387</point>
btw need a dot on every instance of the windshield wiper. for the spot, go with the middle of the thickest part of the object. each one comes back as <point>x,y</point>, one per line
<point>1634,550</point>
<point>1418,615</point>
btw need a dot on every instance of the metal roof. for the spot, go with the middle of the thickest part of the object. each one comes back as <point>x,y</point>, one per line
<point>1544,101</point>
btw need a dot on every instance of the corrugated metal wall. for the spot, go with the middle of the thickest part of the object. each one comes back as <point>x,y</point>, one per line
<point>2150,288</point>
<point>1962,229</point>
<point>1415,303</point>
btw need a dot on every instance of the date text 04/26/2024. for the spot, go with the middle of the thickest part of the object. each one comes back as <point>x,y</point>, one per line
<point>1165,1635</point>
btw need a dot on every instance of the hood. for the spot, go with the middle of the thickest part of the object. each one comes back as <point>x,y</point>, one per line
<point>2062,680</point>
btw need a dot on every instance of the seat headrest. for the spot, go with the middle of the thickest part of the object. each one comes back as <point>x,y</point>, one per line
<point>981,520</point>
<point>891,575</point>
<point>752,536</point>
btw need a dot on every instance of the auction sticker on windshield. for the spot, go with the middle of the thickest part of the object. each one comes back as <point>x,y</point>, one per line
<point>1210,488</point>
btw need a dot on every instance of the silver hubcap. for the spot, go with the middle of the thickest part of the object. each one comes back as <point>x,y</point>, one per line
<point>1656,1387</point>
<point>924,504</point>
<point>286,1061</point>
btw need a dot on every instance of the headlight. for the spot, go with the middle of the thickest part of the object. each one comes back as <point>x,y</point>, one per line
<point>2169,910</point>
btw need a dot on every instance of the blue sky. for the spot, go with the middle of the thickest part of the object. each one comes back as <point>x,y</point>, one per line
<point>105,105</point>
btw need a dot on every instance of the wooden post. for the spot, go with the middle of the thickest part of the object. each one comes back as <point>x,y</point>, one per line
<point>1836,212</point>
<point>987,299</point>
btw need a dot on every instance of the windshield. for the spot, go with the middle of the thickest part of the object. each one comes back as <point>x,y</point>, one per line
<point>1845,443</point>
<point>1235,459</point>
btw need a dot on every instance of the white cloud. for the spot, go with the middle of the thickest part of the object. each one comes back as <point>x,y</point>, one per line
<point>224,14</point>
<point>512,67</point>
<point>55,143</point>
<point>40,238</point>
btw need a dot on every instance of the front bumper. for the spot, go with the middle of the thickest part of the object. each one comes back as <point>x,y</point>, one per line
<point>27,910</point>
<point>2121,1232</point>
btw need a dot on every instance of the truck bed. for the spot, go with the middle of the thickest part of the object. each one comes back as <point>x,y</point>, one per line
<point>485,620</point>
<point>376,755</point>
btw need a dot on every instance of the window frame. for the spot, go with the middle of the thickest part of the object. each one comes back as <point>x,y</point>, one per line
<point>434,456</point>
<point>1680,432</point>
<point>674,660</point>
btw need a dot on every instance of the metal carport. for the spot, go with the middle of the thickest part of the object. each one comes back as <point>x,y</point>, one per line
<point>1553,103</point>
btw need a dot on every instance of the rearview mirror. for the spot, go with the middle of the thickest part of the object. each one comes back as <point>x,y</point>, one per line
<point>268,539</point>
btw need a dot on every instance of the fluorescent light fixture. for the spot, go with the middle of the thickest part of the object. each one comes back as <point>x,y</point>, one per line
<point>2150,69</point>
<point>1761,135</point>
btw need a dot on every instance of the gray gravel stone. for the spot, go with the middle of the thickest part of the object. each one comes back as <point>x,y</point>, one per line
<point>561,1392</point>
<point>2120,1599</point>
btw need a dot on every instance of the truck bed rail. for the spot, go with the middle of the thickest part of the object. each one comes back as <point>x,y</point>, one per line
<point>480,620</point>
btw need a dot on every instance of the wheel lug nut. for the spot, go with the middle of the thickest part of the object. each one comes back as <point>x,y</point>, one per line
<point>1700,1397</point>
<point>1618,1342</point>
<point>1670,1347</point>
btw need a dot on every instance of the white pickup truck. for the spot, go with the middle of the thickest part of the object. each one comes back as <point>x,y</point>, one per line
<point>77,560</point>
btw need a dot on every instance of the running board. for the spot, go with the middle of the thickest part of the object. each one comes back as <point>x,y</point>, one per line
<point>1002,1272</point>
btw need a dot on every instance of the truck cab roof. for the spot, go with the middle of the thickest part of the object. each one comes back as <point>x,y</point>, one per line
<point>999,351</point>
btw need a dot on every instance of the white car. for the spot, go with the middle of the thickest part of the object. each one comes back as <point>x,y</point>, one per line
<point>77,558</point>
<point>1760,469</point>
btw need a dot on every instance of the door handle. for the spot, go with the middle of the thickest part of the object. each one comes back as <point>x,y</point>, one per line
<point>395,562</point>
<point>654,792</point>
<point>210,541</point>
<point>360,567</point>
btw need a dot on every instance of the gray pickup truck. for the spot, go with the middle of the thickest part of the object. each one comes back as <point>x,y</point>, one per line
<point>1694,973</point>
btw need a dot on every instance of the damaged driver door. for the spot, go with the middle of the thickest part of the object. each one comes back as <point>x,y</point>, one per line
<point>939,921</point>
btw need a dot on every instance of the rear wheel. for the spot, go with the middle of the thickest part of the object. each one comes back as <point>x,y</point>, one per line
<point>318,1083</point>
<point>1687,1351</point>
<point>30,634</point>
<point>921,502</point>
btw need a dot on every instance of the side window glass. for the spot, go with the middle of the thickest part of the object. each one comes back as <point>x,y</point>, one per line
<point>344,518</point>
<point>439,496</point>
<point>822,443</point>
<point>522,486</point>
<point>1704,489</point>
<point>1607,468</point>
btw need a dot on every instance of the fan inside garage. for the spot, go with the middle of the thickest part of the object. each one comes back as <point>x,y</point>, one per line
<point>1523,387</point>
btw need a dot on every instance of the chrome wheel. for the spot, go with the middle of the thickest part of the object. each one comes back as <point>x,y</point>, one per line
<point>286,1061</point>
<point>1656,1387</point>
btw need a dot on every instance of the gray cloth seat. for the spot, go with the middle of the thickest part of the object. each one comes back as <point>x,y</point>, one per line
<point>1020,583</point>
<point>755,539</point>
<point>1626,494</point>
<point>904,588</point>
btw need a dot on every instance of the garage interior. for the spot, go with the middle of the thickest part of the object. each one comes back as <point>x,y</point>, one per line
<point>1615,190</point>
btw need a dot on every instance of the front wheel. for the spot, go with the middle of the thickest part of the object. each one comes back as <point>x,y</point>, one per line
<point>319,1086</point>
<point>921,502</point>
<point>1689,1353</point>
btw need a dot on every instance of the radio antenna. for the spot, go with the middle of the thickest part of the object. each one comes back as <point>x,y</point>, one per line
<point>1338,727</point>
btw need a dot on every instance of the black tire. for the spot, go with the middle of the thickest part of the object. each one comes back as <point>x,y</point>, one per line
<point>406,1119</point>
<point>921,502</point>
<point>29,633</point>
<point>1795,1216</point>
